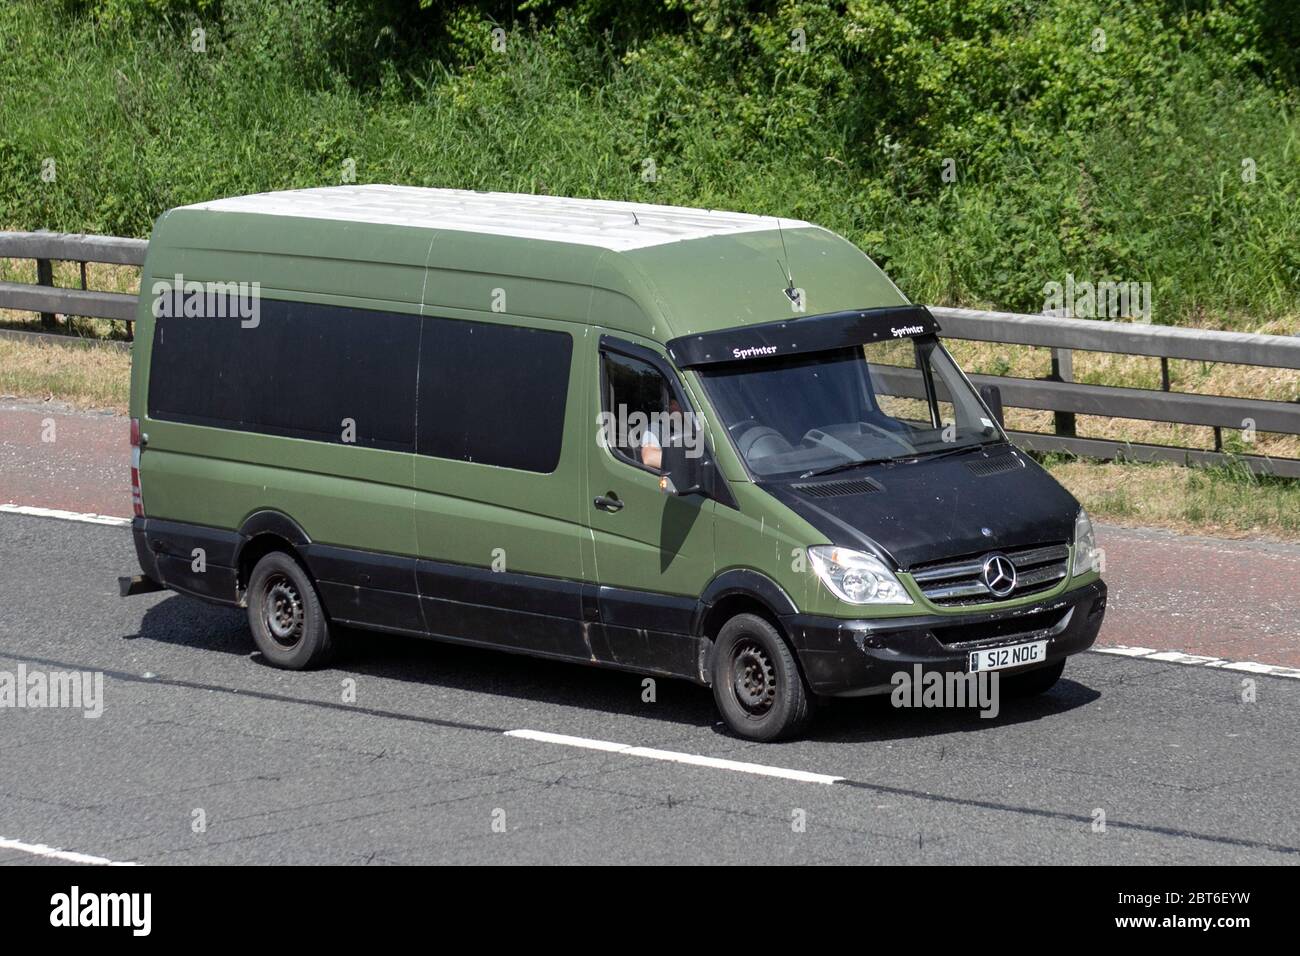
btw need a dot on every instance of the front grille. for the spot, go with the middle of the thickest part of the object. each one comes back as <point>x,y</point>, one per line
<point>960,581</point>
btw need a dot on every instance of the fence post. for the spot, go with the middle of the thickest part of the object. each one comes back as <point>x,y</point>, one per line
<point>1063,371</point>
<point>45,276</point>
<point>72,329</point>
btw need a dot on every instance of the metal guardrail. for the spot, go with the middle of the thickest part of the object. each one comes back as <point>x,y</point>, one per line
<point>1057,393</point>
<point>49,301</point>
<point>1093,335</point>
<point>1065,398</point>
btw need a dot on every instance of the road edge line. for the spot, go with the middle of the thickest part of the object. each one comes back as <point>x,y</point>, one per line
<point>83,516</point>
<point>673,756</point>
<point>1199,660</point>
<point>54,853</point>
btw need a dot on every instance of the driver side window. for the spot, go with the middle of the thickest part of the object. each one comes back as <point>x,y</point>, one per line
<point>638,403</point>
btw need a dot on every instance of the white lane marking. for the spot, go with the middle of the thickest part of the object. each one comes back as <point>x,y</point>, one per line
<point>695,760</point>
<point>65,515</point>
<point>54,853</point>
<point>1200,660</point>
<point>1125,651</point>
<point>568,741</point>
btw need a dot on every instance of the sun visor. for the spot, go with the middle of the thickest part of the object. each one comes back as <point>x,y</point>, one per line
<point>815,333</point>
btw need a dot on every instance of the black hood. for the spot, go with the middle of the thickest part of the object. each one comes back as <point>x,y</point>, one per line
<point>931,509</point>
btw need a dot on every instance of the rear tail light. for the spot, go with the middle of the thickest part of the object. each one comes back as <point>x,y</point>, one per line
<point>137,501</point>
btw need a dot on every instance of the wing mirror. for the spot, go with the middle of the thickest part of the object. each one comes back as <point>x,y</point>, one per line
<point>683,471</point>
<point>686,468</point>
<point>991,395</point>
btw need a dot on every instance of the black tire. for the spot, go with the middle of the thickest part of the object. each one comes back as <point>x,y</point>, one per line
<point>1038,681</point>
<point>756,682</point>
<point>289,625</point>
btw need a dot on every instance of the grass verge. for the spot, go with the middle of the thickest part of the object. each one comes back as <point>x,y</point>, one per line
<point>83,375</point>
<point>1227,502</point>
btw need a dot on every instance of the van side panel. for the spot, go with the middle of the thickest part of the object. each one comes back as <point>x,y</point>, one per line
<point>341,493</point>
<point>520,526</point>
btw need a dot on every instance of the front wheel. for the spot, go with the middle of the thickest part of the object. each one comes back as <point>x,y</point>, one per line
<point>756,683</point>
<point>289,625</point>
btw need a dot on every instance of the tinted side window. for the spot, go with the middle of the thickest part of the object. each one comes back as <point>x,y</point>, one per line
<point>636,397</point>
<point>300,372</point>
<point>493,394</point>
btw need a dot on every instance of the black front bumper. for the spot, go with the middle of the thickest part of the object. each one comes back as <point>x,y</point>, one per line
<point>847,658</point>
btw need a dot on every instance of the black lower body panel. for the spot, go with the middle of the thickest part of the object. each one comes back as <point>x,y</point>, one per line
<point>193,559</point>
<point>648,631</point>
<point>559,618</point>
<point>366,588</point>
<point>531,614</point>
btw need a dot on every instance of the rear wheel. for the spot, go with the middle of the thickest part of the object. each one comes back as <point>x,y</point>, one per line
<point>1033,682</point>
<point>756,683</point>
<point>285,614</point>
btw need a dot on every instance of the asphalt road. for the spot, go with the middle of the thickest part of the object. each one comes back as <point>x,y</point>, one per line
<point>419,768</point>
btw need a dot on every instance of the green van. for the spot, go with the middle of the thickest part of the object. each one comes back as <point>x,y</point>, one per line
<point>679,442</point>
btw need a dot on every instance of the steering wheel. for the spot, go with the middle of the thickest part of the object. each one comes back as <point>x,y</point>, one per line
<point>749,434</point>
<point>738,428</point>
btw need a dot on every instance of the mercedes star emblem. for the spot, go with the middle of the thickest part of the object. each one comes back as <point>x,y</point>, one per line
<point>999,575</point>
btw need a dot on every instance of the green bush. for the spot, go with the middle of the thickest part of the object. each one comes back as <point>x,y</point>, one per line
<point>1120,159</point>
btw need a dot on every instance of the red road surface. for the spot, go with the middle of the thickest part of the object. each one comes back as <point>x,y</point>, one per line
<point>1238,600</point>
<point>85,467</point>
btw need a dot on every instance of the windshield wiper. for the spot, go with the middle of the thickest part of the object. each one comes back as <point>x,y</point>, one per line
<point>944,452</point>
<point>859,462</point>
<point>845,466</point>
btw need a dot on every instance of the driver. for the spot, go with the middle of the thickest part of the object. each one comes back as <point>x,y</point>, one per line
<point>652,440</point>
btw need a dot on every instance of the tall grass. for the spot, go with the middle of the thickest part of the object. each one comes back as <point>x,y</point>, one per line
<point>1125,168</point>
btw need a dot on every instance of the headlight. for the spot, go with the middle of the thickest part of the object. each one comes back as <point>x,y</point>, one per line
<point>856,577</point>
<point>1085,545</point>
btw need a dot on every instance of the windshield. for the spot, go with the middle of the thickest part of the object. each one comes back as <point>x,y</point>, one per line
<point>807,414</point>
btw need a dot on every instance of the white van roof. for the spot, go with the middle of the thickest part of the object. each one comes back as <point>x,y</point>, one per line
<point>607,224</point>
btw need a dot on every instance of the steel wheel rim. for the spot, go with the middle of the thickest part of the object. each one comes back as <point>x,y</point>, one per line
<point>753,678</point>
<point>282,611</point>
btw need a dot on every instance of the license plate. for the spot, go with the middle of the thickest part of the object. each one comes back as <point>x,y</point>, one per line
<point>996,658</point>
